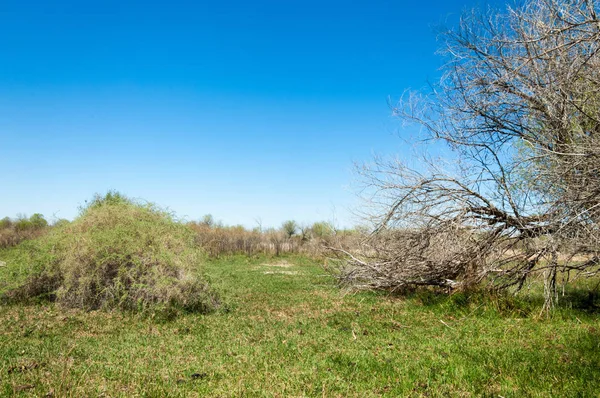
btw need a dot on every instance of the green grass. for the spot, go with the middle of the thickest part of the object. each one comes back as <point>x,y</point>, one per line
<point>289,331</point>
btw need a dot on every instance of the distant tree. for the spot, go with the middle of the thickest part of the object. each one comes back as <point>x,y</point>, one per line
<point>290,228</point>
<point>208,220</point>
<point>5,223</point>
<point>322,229</point>
<point>22,223</point>
<point>305,232</point>
<point>38,221</point>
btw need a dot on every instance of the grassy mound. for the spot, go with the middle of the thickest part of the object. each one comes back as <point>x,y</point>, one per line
<point>116,254</point>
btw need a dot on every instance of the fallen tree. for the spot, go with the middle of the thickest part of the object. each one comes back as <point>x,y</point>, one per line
<point>519,106</point>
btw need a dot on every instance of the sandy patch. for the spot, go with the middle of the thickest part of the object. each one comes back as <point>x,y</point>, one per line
<point>281,272</point>
<point>280,264</point>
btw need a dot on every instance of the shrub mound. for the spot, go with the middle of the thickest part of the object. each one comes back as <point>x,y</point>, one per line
<point>117,254</point>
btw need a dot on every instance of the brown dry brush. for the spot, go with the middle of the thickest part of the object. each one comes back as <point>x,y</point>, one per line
<point>219,241</point>
<point>224,240</point>
<point>398,259</point>
<point>13,232</point>
<point>519,106</point>
<point>10,237</point>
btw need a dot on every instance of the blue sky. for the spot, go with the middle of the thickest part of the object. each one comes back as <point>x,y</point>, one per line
<point>245,110</point>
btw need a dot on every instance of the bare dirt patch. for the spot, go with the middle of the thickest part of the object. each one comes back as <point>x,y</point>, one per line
<point>280,264</point>
<point>281,272</point>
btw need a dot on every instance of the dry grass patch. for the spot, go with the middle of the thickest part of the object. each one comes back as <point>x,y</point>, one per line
<point>281,272</point>
<point>280,264</point>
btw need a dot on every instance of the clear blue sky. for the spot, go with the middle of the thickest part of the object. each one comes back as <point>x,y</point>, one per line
<point>242,109</point>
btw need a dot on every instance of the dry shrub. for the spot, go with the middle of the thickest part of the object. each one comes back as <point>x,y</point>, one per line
<point>13,232</point>
<point>218,240</point>
<point>399,259</point>
<point>223,241</point>
<point>10,237</point>
<point>117,254</point>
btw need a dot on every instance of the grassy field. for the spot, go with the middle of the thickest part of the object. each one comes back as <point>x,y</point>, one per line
<point>287,330</point>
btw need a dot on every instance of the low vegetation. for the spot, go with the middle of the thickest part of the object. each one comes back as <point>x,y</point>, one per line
<point>495,251</point>
<point>116,254</point>
<point>118,303</point>
<point>13,232</point>
<point>313,241</point>
<point>287,330</point>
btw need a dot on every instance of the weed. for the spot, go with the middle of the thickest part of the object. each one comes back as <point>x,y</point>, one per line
<point>116,254</point>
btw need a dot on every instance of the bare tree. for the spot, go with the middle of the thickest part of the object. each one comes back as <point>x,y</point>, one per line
<point>519,105</point>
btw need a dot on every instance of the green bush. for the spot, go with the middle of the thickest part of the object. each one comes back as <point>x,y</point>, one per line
<point>6,223</point>
<point>23,224</point>
<point>38,221</point>
<point>322,230</point>
<point>290,228</point>
<point>118,254</point>
<point>108,199</point>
